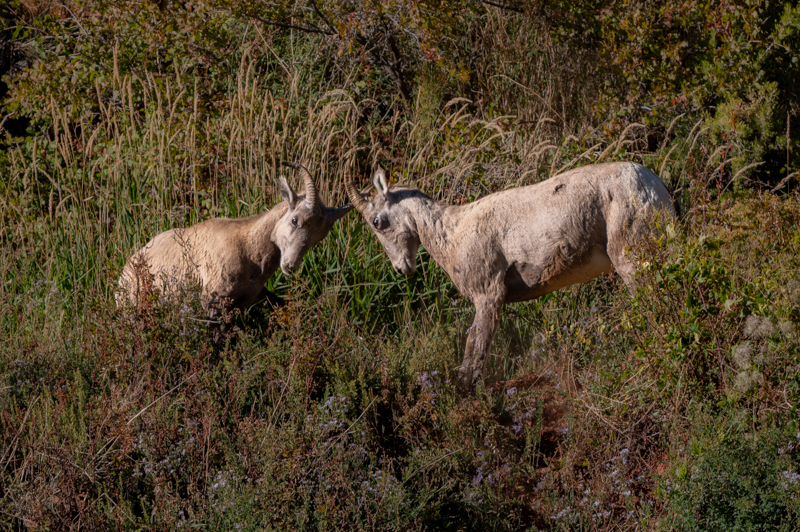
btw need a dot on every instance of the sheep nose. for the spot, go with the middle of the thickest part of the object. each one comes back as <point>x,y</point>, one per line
<point>397,269</point>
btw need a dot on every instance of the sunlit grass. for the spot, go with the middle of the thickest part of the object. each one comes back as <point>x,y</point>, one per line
<point>602,408</point>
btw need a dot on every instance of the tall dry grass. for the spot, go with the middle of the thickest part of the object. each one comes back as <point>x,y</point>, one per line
<point>150,158</point>
<point>319,411</point>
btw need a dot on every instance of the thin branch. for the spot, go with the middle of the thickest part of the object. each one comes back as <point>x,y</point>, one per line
<point>391,69</point>
<point>143,410</point>
<point>78,22</point>
<point>502,6</point>
<point>323,17</point>
<point>740,172</point>
<point>288,26</point>
<point>432,463</point>
<point>3,121</point>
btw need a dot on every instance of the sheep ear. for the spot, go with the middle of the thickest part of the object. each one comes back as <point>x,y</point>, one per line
<point>380,182</point>
<point>286,192</point>
<point>335,214</point>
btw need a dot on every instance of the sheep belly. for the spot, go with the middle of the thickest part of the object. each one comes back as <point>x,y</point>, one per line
<point>524,281</point>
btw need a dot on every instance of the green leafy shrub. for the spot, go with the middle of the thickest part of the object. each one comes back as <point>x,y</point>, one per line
<point>742,481</point>
<point>688,309</point>
<point>338,410</point>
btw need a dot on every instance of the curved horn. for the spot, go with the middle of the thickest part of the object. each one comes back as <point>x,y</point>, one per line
<point>355,196</point>
<point>311,188</point>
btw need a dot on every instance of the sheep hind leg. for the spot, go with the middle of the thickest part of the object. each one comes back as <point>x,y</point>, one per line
<point>479,340</point>
<point>625,234</point>
<point>623,257</point>
<point>626,268</point>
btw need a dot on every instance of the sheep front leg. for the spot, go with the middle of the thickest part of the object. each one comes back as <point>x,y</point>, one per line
<point>214,306</point>
<point>480,338</point>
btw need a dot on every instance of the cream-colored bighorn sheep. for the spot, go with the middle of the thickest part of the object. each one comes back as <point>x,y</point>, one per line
<point>233,258</point>
<point>519,244</point>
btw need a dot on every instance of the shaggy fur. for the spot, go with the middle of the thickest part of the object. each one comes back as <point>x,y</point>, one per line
<point>519,244</point>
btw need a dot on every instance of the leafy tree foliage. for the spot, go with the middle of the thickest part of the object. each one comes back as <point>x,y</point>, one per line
<point>394,35</point>
<point>734,62</point>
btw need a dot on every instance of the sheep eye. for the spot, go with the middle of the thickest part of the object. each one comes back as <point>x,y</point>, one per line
<point>294,221</point>
<point>376,222</point>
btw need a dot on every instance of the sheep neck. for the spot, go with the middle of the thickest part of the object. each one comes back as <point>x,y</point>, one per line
<point>260,245</point>
<point>435,223</point>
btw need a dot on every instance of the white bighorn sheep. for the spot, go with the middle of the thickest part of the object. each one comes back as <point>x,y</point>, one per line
<point>233,258</point>
<point>519,244</point>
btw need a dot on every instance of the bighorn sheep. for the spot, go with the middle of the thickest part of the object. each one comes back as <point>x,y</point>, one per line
<point>233,258</point>
<point>519,244</point>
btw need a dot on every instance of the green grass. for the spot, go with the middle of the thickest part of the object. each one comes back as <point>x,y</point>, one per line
<point>670,408</point>
<point>338,410</point>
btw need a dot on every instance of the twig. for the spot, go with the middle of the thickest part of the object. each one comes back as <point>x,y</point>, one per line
<point>669,130</point>
<point>13,447</point>
<point>339,436</point>
<point>288,26</point>
<point>323,17</point>
<point>596,411</point>
<point>2,122</point>
<point>280,399</point>
<point>78,22</point>
<point>429,464</point>
<point>71,462</point>
<point>666,159</point>
<point>502,6</point>
<point>142,411</point>
<point>620,142</point>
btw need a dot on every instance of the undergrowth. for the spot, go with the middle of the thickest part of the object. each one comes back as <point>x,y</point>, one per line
<point>669,407</point>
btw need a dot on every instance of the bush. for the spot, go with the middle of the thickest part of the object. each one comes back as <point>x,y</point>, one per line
<point>742,481</point>
<point>602,408</point>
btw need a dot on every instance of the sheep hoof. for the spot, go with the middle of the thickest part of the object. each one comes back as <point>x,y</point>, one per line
<point>477,376</point>
<point>467,378</point>
<point>218,334</point>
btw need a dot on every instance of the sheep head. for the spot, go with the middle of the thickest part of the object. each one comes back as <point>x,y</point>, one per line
<point>390,221</point>
<point>306,222</point>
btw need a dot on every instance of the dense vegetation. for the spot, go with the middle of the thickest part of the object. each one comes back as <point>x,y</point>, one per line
<point>670,408</point>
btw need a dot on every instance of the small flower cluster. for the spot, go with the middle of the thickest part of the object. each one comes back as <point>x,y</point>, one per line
<point>521,418</point>
<point>564,513</point>
<point>331,410</point>
<point>617,485</point>
<point>221,490</point>
<point>222,479</point>
<point>44,294</point>
<point>789,446</point>
<point>424,381</point>
<point>381,487</point>
<point>492,477</point>
<point>616,467</point>
<point>178,212</point>
<point>430,386</point>
<point>381,482</point>
<point>539,347</point>
<point>171,464</point>
<point>790,479</point>
<point>336,405</point>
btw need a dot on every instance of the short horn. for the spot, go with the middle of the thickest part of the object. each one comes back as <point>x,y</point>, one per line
<point>355,196</point>
<point>311,188</point>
